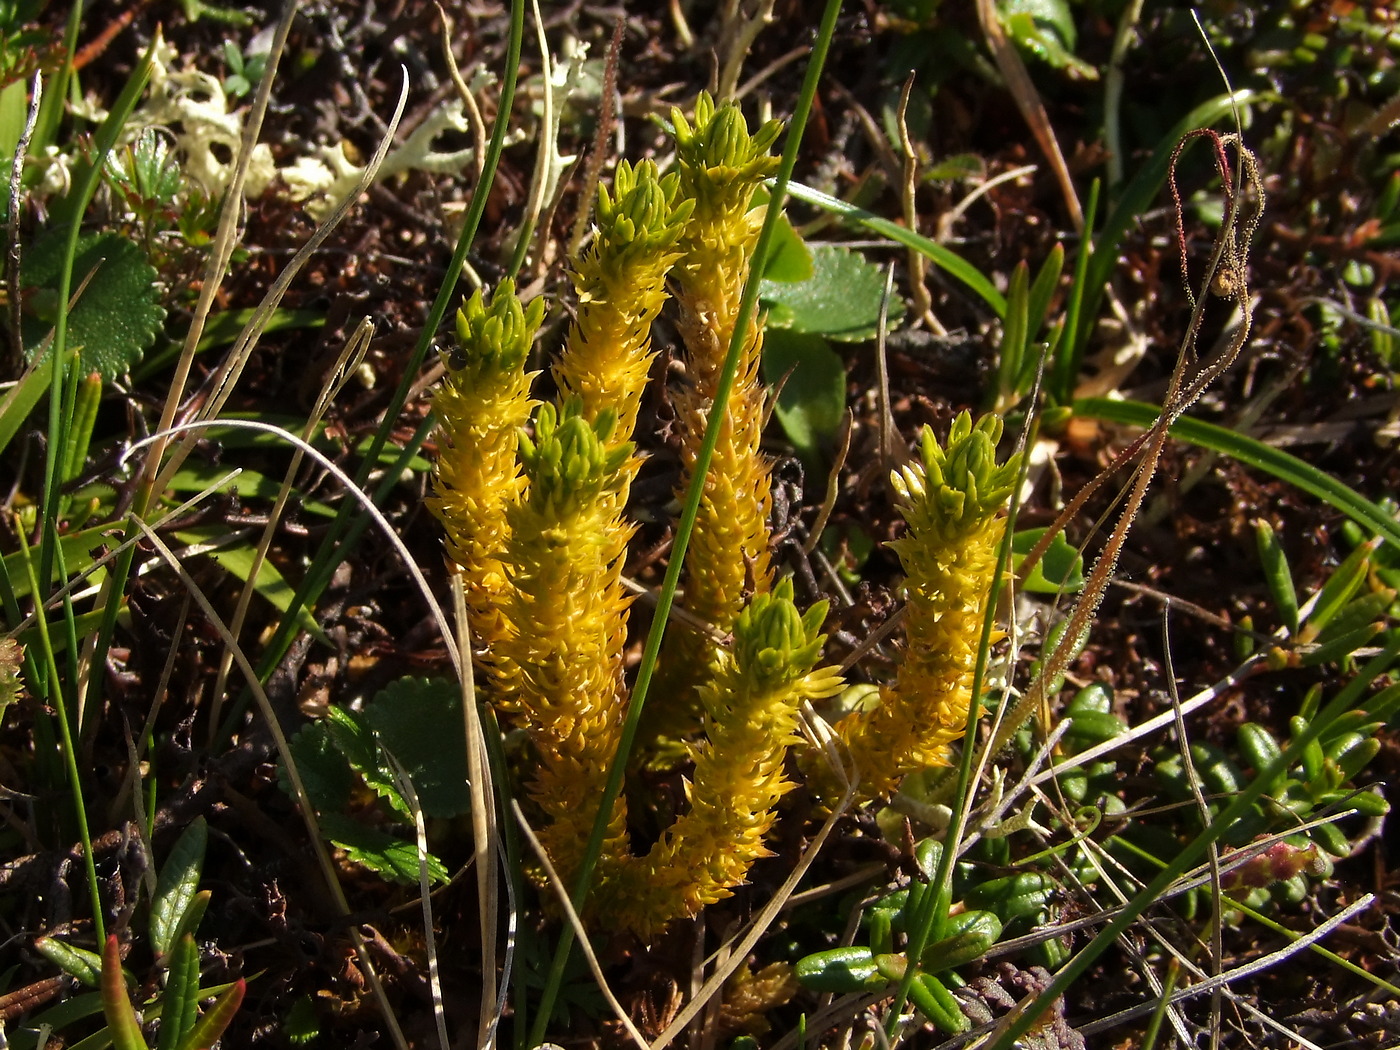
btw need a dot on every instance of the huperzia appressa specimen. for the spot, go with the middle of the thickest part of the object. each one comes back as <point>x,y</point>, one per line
<point>620,279</point>
<point>482,403</point>
<point>950,499</point>
<point>721,165</point>
<point>569,610</point>
<point>752,701</point>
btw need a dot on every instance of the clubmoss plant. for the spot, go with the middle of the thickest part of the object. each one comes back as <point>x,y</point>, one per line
<point>569,612</point>
<point>950,498</point>
<point>481,404</point>
<point>721,166</point>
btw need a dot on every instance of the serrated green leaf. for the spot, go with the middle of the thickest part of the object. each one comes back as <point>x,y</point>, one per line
<point>1061,571</point>
<point>325,773</point>
<point>841,300</point>
<point>177,885</point>
<point>394,858</point>
<point>353,735</point>
<point>419,721</point>
<point>118,312</point>
<point>812,401</point>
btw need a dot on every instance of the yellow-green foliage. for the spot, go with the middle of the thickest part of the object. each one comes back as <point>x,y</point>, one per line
<point>752,704</point>
<point>569,609</point>
<point>950,499</point>
<point>621,284</point>
<point>534,519</point>
<point>481,405</point>
<point>721,166</point>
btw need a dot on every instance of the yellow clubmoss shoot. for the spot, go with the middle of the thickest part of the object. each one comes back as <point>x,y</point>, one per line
<point>752,703</point>
<point>620,279</point>
<point>950,499</point>
<point>721,164</point>
<point>569,607</point>
<point>483,401</point>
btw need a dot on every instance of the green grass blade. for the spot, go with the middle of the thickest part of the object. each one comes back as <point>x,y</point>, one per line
<point>940,256</point>
<point>1252,453</point>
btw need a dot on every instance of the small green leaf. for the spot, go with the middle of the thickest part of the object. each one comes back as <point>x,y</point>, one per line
<point>180,1004</point>
<point>352,734</point>
<point>394,858</point>
<point>812,401</point>
<point>116,1005</point>
<point>419,721</point>
<point>118,312</point>
<point>177,885</point>
<point>78,963</point>
<point>841,300</point>
<point>1060,571</point>
<point>1277,574</point>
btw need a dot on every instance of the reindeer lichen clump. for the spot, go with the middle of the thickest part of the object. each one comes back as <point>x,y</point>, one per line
<point>536,525</point>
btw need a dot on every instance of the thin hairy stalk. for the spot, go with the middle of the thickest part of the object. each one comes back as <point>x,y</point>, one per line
<point>350,357</point>
<point>1190,378</point>
<point>607,121</point>
<point>686,525</point>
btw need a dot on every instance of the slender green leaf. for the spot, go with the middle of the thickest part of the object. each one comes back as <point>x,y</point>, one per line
<point>78,963</point>
<point>116,1004</point>
<point>942,257</point>
<point>19,401</point>
<point>1252,453</point>
<point>177,885</point>
<point>1277,574</point>
<point>181,999</point>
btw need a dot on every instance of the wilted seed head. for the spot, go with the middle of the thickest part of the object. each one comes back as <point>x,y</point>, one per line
<point>568,462</point>
<point>495,339</point>
<point>773,643</point>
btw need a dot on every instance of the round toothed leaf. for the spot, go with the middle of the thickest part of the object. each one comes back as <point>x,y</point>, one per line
<point>116,311</point>
<point>841,300</point>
